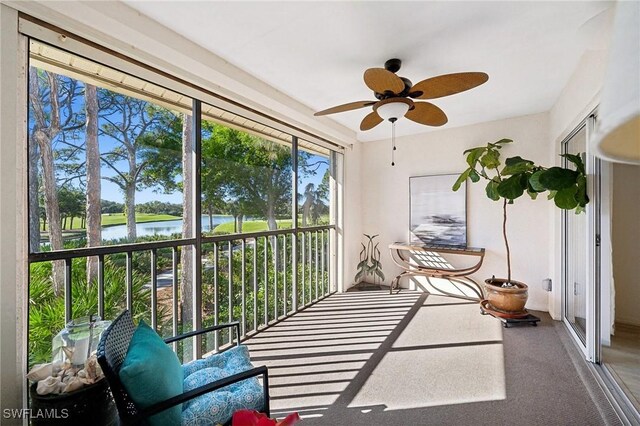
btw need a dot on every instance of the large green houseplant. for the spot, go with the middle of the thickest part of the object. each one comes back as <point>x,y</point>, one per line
<point>567,187</point>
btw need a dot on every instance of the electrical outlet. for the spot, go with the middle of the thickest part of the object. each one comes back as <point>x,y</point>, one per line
<point>547,284</point>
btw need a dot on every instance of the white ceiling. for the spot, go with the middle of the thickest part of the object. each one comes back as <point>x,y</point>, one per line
<point>316,52</point>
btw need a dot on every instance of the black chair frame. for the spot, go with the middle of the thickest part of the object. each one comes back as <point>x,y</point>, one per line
<point>112,350</point>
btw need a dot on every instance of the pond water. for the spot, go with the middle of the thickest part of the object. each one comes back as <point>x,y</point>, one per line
<point>166,227</point>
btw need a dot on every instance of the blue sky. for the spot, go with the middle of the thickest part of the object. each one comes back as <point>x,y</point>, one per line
<point>111,191</point>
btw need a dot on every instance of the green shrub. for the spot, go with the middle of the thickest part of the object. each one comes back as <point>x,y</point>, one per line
<point>46,310</point>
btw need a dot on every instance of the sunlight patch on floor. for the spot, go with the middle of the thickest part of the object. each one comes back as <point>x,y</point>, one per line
<point>295,365</point>
<point>314,356</point>
<point>310,381</point>
<point>305,413</point>
<point>447,354</point>
<point>344,376</point>
<point>437,323</point>
<point>430,377</point>
<point>315,349</point>
<point>285,402</point>
<point>309,342</point>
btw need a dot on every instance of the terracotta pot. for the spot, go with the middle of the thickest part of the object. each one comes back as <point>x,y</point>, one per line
<point>506,299</point>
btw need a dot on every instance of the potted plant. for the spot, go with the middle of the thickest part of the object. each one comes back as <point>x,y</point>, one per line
<point>567,187</point>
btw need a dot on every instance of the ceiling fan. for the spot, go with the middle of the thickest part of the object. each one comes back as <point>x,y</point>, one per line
<point>395,95</point>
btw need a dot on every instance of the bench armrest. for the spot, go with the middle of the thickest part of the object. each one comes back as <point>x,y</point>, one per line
<point>235,324</point>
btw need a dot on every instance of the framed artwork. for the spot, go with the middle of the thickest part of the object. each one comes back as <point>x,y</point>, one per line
<point>437,214</point>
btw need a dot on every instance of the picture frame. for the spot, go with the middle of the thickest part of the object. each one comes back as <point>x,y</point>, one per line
<point>437,214</point>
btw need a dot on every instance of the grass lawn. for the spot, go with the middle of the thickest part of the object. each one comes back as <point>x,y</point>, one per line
<point>119,219</point>
<point>252,226</point>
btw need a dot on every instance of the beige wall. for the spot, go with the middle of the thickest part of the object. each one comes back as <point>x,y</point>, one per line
<point>13,265</point>
<point>385,196</point>
<point>579,97</point>
<point>353,211</point>
<point>626,242</point>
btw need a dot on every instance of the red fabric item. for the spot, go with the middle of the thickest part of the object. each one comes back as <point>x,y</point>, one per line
<point>290,420</point>
<point>254,418</point>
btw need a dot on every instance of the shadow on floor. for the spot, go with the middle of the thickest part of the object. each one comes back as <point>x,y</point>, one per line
<point>370,358</point>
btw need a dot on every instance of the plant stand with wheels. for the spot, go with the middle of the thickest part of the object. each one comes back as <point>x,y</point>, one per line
<point>508,319</point>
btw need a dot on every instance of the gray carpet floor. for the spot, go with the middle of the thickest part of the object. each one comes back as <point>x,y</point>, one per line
<point>370,358</point>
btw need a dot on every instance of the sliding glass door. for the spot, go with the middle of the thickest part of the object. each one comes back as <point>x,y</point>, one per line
<point>580,248</point>
<point>590,304</point>
<point>576,254</point>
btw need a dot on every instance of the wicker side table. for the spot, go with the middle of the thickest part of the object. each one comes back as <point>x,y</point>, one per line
<point>91,405</point>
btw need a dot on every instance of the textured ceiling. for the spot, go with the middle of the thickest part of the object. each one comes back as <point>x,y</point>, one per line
<point>316,52</point>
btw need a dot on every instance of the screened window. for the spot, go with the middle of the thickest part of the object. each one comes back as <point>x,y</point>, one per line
<point>185,219</point>
<point>246,177</point>
<point>105,160</point>
<point>314,186</point>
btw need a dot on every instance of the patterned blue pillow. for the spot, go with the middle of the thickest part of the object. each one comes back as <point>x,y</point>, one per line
<point>200,378</point>
<point>237,357</point>
<point>218,406</point>
<point>208,410</point>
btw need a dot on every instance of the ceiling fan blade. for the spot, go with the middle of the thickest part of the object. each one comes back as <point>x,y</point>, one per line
<point>380,80</point>
<point>345,107</point>
<point>448,84</point>
<point>427,114</point>
<point>370,121</point>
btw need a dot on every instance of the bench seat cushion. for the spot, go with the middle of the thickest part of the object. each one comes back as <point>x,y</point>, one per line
<point>218,406</point>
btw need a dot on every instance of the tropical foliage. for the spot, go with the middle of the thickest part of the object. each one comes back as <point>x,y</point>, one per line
<point>243,175</point>
<point>567,187</point>
<point>47,311</point>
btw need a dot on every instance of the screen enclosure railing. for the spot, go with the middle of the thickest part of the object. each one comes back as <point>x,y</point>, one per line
<point>256,278</point>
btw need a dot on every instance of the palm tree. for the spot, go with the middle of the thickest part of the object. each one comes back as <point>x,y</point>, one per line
<point>309,203</point>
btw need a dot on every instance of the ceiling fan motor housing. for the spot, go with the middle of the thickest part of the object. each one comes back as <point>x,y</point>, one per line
<point>393,65</point>
<point>389,94</point>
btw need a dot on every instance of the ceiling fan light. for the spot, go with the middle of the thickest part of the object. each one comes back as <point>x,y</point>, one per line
<point>392,110</point>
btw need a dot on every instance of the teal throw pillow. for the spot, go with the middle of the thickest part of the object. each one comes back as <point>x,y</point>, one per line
<point>152,373</point>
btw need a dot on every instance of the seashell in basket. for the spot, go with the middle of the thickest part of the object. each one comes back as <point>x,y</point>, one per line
<point>50,385</point>
<point>40,372</point>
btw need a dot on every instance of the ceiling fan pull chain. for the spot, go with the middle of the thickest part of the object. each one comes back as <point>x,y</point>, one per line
<point>393,142</point>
